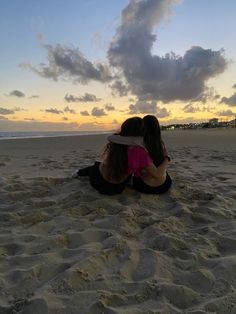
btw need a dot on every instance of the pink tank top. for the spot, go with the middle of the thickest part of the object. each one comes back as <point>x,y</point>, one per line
<point>138,158</point>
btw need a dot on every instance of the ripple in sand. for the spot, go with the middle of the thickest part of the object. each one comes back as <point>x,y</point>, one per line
<point>223,305</point>
<point>202,280</point>
<point>36,306</point>
<point>77,239</point>
<point>226,245</point>
<point>12,249</point>
<point>180,296</point>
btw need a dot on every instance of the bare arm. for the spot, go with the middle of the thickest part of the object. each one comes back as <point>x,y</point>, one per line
<point>126,140</point>
<point>157,172</point>
<point>165,152</point>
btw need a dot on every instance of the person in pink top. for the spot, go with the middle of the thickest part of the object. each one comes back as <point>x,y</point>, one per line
<point>121,161</point>
<point>149,181</point>
<point>153,177</point>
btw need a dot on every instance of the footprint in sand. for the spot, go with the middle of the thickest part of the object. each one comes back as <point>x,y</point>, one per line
<point>12,249</point>
<point>222,179</point>
<point>77,239</point>
<point>4,159</point>
<point>226,245</point>
<point>129,198</point>
<point>146,266</point>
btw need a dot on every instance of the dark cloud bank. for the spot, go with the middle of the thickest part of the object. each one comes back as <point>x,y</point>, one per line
<point>132,68</point>
<point>230,101</point>
<point>152,77</point>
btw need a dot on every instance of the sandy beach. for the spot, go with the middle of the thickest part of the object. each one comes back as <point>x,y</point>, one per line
<point>66,249</point>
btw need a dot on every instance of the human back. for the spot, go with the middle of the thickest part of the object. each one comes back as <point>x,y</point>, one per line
<point>115,164</point>
<point>152,139</point>
<point>154,179</point>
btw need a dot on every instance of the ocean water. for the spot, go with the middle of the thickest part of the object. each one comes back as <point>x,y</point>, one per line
<point>17,135</point>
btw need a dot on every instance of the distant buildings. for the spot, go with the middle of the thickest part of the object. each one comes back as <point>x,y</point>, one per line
<point>212,123</point>
<point>232,123</point>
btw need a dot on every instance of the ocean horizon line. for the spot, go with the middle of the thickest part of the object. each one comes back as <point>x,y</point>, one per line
<point>6,135</point>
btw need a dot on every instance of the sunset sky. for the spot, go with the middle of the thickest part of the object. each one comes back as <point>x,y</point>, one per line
<point>90,64</point>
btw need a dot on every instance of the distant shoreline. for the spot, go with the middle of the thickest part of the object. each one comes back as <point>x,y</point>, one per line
<point>34,135</point>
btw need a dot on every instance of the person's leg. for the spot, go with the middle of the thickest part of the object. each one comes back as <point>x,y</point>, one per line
<point>83,172</point>
<point>165,186</point>
<point>142,187</point>
<point>101,185</point>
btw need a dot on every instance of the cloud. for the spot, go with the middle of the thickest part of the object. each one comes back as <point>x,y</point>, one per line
<point>209,94</point>
<point>151,77</point>
<point>68,110</point>
<point>148,107</point>
<point>89,98</point>
<point>84,113</point>
<point>189,108</point>
<point>119,88</point>
<point>230,101</point>
<point>64,119</point>
<point>16,93</point>
<point>162,113</point>
<point>71,98</point>
<point>54,111</point>
<point>143,107</point>
<point>207,108</point>
<point>3,118</point>
<point>86,98</point>
<point>234,86</point>
<point>109,107</point>
<point>19,109</point>
<point>226,113</point>
<point>98,112</point>
<point>5,111</point>
<point>70,64</point>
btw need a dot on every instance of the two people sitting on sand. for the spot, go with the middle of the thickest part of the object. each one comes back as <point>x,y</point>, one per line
<point>137,151</point>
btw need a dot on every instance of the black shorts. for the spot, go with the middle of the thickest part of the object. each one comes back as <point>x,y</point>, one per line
<point>142,187</point>
<point>101,185</point>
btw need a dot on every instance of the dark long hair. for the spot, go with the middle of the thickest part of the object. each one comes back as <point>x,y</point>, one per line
<point>152,139</point>
<point>115,155</point>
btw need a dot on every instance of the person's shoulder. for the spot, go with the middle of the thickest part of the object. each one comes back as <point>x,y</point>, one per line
<point>137,149</point>
<point>126,140</point>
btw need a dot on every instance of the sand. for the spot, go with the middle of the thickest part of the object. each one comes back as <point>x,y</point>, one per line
<point>66,249</point>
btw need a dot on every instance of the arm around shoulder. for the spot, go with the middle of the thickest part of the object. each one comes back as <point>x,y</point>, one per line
<point>157,172</point>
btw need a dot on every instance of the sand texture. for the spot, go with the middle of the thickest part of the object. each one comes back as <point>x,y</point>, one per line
<point>66,249</point>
